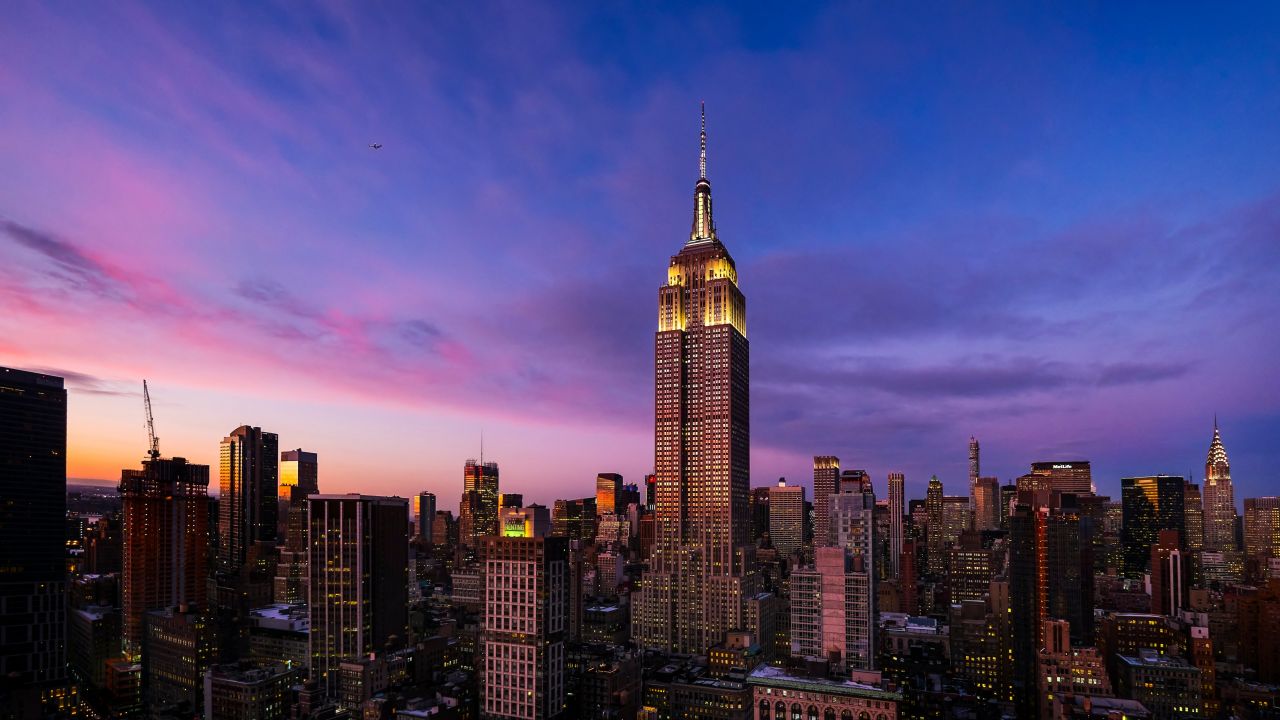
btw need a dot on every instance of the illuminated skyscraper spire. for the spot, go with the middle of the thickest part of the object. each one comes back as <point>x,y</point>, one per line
<point>704,227</point>
<point>1219,497</point>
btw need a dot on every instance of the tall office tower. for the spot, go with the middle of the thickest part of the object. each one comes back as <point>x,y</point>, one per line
<point>896,509</point>
<point>956,519</point>
<point>1219,498</point>
<point>650,491</point>
<point>826,472</point>
<point>608,492</point>
<point>1170,584</point>
<point>1050,576</point>
<point>1262,528</point>
<point>247,501</point>
<point>1150,504</point>
<point>359,579</point>
<point>833,609</point>
<point>424,515</point>
<point>786,517</point>
<point>986,504</point>
<point>1068,476</point>
<point>526,609</point>
<point>166,541</point>
<point>975,470</point>
<point>698,576</point>
<point>33,509</point>
<point>299,477</point>
<point>574,519</point>
<point>759,512</point>
<point>478,511</point>
<point>934,532</point>
<point>971,568</point>
<point>1008,498</point>
<point>1193,512</point>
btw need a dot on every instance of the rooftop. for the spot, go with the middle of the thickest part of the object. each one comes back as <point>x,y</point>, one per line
<point>780,677</point>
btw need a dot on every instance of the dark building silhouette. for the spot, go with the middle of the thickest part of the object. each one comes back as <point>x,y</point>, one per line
<point>359,580</point>
<point>33,508</point>
<point>248,493</point>
<point>1149,505</point>
<point>1050,576</point>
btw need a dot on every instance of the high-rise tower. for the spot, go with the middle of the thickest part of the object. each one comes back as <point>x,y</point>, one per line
<point>478,511</point>
<point>1219,498</point>
<point>693,591</point>
<point>896,508</point>
<point>248,499</point>
<point>975,469</point>
<point>33,509</point>
<point>826,473</point>
<point>166,538</point>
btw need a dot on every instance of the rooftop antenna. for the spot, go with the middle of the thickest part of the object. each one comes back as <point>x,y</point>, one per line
<point>702,157</point>
<point>154,452</point>
<point>481,446</point>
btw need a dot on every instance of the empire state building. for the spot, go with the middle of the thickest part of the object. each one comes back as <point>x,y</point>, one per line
<point>698,576</point>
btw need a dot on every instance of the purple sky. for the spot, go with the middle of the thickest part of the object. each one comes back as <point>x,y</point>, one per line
<point>1057,229</point>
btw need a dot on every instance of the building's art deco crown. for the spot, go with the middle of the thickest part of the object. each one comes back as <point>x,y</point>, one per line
<point>1217,453</point>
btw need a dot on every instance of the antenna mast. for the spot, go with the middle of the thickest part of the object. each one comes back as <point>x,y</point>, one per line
<point>154,452</point>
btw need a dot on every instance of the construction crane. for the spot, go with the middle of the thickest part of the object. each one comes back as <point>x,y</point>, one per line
<point>151,423</point>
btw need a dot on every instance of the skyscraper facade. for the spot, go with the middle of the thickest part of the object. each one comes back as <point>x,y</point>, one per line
<point>826,473</point>
<point>698,577</point>
<point>424,515</point>
<point>526,622</point>
<point>833,613</point>
<point>1150,504</point>
<point>299,478</point>
<point>986,504</point>
<point>478,511</point>
<point>248,493</point>
<point>786,518</point>
<point>359,579</point>
<point>975,469</point>
<point>166,540</point>
<point>1068,476</point>
<point>896,510</point>
<point>33,487</point>
<point>933,526</point>
<point>1050,576</point>
<point>1262,528</point>
<point>1219,497</point>
<point>608,492</point>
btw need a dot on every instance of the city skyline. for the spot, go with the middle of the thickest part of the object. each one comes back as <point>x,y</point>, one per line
<point>983,280</point>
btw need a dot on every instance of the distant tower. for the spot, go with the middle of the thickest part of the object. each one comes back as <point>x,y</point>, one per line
<point>826,471</point>
<point>786,517</point>
<point>896,510</point>
<point>299,477</point>
<point>248,493</point>
<point>424,515</point>
<point>975,470</point>
<point>1219,498</point>
<point>478,511</point>
<point>934,529</point>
